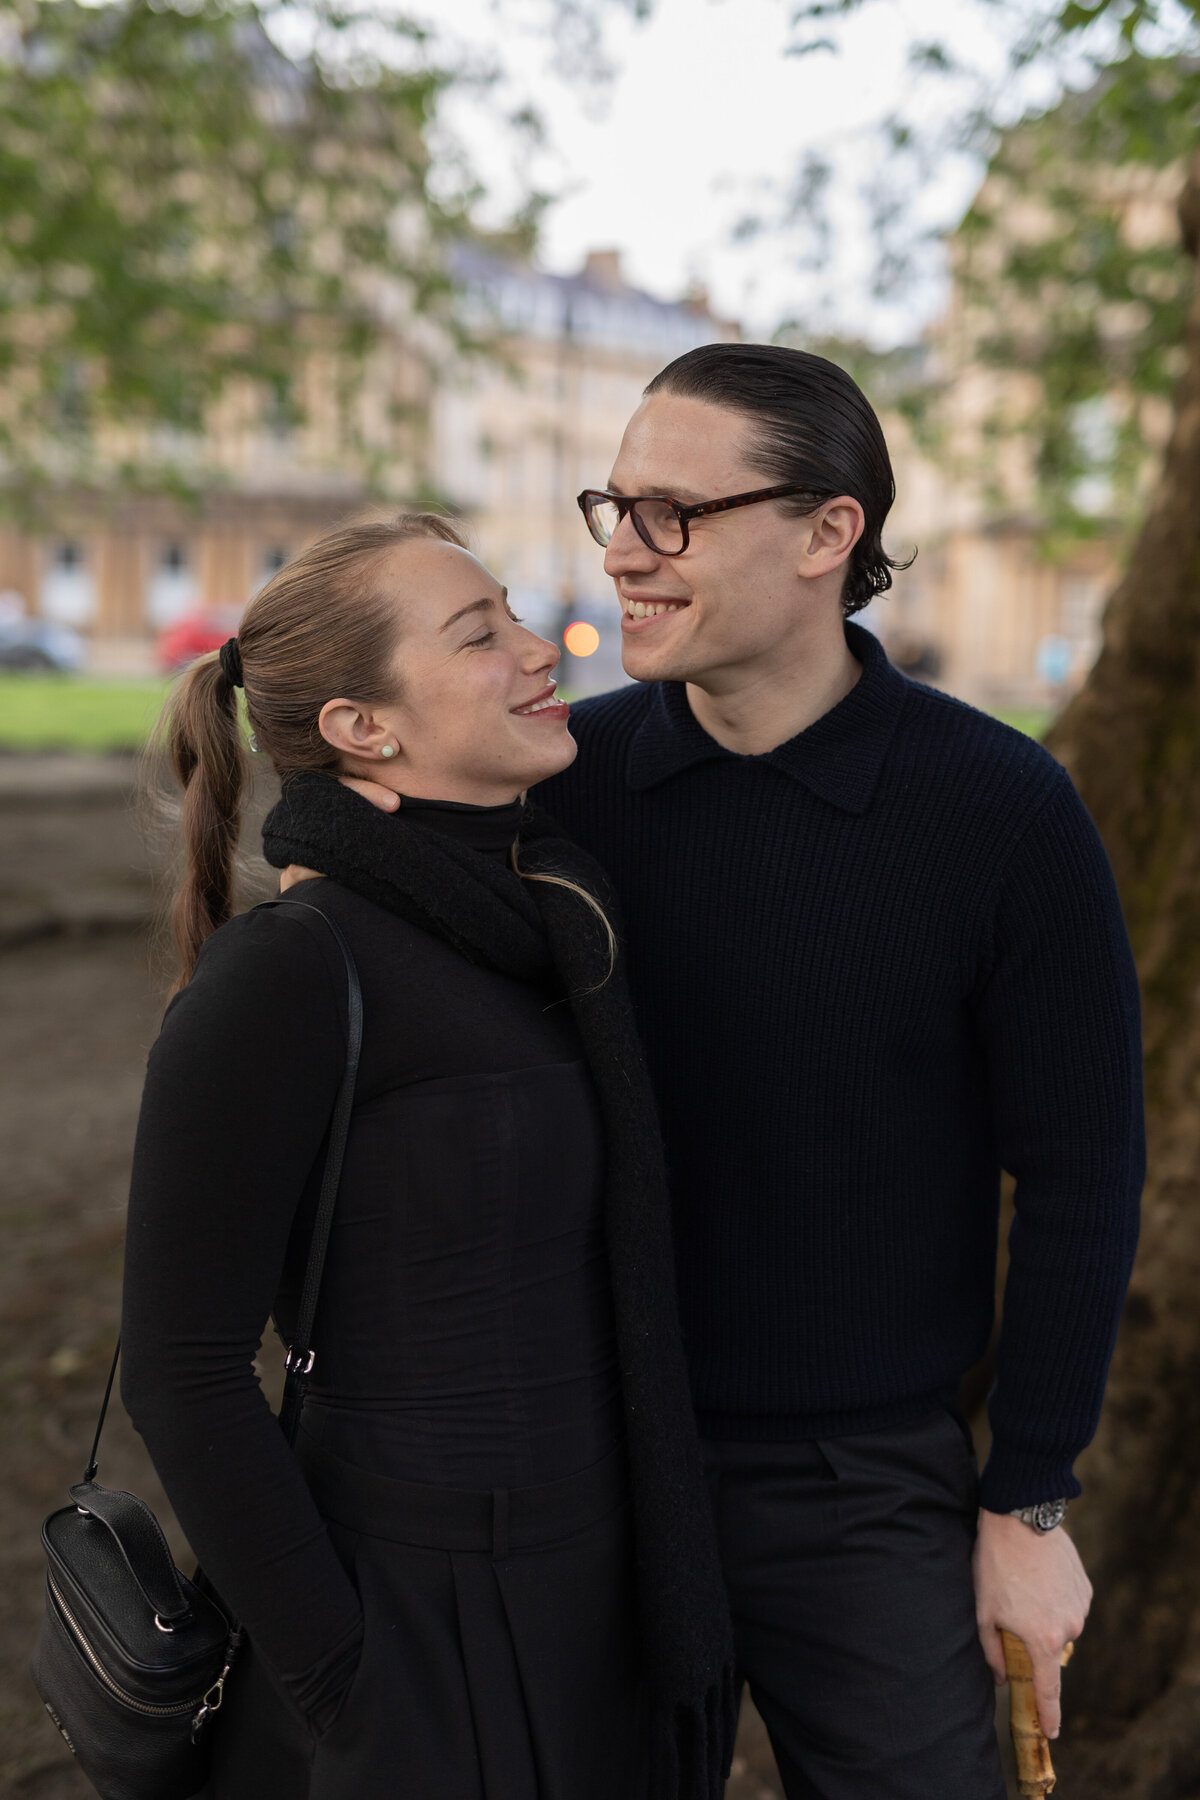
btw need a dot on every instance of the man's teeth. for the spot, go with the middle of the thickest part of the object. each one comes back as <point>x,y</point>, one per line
<point>541,705</point>
<point>649,609</point>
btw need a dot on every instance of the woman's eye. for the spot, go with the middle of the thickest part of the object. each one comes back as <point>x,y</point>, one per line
<point>484,638</point>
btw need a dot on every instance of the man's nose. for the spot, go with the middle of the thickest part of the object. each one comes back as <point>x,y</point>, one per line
<point>626,554</point>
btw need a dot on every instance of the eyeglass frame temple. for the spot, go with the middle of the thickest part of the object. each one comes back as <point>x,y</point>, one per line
<point>625,503</point>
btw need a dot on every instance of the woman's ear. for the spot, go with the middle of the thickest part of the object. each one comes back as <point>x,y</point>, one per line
<point>348,728</point>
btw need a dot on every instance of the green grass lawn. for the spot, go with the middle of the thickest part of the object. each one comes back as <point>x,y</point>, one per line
<point>73,712</point>
<point>79,712</point>
<point>1033,721</point>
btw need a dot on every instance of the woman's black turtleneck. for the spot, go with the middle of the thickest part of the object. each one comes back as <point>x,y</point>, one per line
<point>492,830</point>
<point>464,1335</point>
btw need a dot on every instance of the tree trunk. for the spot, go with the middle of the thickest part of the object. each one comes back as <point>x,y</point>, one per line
<point>1131,739</point>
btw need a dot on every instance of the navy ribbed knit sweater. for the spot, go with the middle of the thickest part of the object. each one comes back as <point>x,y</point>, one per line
<point>874,967</point>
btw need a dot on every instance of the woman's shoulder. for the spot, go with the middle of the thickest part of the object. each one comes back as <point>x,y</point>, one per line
<point>278,959</point>
<point>261,1023</point>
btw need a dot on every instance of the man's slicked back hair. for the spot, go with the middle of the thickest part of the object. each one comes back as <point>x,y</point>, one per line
<point>811,427</point>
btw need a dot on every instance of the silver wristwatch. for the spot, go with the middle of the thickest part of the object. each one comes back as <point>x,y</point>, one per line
<point>1042,1517</point>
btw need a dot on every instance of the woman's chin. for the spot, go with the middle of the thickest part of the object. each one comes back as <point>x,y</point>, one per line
<point>554,758</point>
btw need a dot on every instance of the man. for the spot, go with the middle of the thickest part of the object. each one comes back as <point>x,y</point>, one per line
<point>877,956</point>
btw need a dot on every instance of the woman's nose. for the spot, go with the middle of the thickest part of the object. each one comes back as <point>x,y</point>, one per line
<point>541,654</point>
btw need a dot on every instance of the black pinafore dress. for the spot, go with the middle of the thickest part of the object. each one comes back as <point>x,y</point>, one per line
<point>463,1435</point>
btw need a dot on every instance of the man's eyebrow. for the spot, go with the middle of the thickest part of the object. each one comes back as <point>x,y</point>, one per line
<point>688,496</point>
<point>484,605</point>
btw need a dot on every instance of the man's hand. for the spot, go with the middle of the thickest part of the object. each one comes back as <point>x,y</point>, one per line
<point>374,791</point>
<point>1034,1585</point>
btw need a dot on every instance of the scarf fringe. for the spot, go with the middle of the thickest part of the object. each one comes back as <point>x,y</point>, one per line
<point>691,1746</point>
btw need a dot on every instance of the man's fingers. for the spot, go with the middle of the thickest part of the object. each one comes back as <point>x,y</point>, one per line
<point>373,791</point>
<point>993,1650</point>
<point>1047,1688</point>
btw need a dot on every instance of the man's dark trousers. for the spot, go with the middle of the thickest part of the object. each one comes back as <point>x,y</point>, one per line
<point>848,1562</point>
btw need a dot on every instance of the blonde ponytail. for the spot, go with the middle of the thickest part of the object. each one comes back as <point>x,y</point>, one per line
<point>326,624</point>
<point>203,740</point>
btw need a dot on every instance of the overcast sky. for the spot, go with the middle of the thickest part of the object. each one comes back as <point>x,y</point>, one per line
<point>706,120</point>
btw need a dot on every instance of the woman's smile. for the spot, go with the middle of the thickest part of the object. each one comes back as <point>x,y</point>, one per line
<point>545,706</point>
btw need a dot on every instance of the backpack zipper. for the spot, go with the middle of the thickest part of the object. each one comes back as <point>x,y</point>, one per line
<point>177,1708</point>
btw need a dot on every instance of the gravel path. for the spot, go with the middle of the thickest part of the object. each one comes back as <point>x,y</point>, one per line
<point>78,1016</point>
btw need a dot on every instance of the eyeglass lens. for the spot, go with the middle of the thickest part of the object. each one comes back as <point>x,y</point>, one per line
<point>656,523</point>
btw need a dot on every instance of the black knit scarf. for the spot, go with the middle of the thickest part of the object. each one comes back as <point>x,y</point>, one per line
<point>527,929</point>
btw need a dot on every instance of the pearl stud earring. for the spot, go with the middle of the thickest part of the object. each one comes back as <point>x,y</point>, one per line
<point>387,750</point>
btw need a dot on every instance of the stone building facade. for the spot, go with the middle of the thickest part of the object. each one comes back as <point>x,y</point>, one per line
<point>235,503</point>
<point>505,441</point>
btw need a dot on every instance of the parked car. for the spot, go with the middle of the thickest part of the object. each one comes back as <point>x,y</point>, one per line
<point>39,646</point>
<point>194,635</point>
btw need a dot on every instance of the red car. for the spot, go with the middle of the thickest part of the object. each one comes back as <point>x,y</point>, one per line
<point>194,635</point>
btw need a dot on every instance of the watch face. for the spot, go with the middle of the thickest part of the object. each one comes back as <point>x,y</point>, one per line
<point>1049,1514</point>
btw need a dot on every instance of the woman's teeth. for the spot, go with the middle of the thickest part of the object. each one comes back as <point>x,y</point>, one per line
<point>540,705</point>
<point>649,609</point>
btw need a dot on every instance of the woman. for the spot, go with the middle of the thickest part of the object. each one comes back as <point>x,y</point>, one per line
<point>496,1338</point>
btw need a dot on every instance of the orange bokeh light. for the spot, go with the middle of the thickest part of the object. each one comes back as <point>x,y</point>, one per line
<point>581,638</point>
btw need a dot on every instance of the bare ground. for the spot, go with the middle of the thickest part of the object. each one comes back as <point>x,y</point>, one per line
<point>78,1017</point>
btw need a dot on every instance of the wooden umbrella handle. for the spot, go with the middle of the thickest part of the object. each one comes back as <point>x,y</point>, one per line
<point>1035,1771</point>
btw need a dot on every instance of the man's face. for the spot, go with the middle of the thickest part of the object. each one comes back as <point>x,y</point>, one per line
<point>735,601</point>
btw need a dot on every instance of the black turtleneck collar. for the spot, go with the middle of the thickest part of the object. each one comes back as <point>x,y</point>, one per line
<point>491,830</point>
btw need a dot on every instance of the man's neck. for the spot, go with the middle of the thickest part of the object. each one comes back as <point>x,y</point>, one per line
<point>755,710</point>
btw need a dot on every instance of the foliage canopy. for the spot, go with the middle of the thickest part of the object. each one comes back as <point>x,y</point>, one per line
<point>181,203</point>
<point>1089,305</point>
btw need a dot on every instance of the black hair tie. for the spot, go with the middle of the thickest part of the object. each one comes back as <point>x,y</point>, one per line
<point>231,662</point>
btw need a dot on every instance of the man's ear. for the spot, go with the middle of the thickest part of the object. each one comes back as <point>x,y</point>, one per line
<point>350,729</point>
<point>835,529</point>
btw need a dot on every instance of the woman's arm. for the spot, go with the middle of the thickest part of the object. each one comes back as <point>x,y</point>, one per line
<point>239,1091</point>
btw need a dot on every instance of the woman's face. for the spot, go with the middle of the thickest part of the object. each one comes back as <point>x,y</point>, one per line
<point>476,720</point>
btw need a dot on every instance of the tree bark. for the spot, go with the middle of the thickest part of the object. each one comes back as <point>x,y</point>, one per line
<point>1131,739</point>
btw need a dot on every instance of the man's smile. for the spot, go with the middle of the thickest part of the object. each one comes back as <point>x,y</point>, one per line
<point>649,606</point>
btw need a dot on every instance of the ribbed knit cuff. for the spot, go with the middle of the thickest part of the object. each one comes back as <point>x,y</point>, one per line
<point>1016,1477</point>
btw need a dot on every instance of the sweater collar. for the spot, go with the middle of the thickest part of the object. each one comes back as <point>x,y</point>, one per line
<point>839,757</point>
<point>491,830</point>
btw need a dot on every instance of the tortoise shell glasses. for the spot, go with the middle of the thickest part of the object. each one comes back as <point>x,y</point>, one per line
<point>662,523</point>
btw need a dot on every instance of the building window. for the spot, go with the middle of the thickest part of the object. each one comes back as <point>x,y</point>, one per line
<point>68,593</point>
<point>171,591</point>
<point>1082,606</point>
<point>271,562</point>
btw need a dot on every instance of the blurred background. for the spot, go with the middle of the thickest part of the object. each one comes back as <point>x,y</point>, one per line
<point>266,266</point>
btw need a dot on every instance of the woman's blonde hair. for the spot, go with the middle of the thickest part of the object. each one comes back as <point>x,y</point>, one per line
<point>324,626</point>
<point>589,900</point>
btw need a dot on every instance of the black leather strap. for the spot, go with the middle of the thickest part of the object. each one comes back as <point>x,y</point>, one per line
<point>300,1354</point>
<point>139,1538</point>
<point>135,1530</point>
